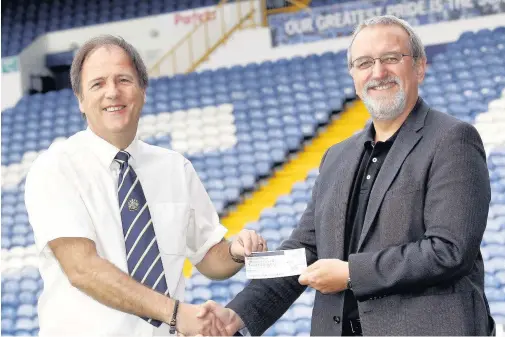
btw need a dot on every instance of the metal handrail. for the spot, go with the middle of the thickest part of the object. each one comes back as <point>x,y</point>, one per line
<point>222,40</point>
<point>296,5</point>
<point>224,35</point>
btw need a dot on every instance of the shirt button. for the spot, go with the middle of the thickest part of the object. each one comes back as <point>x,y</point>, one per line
<point>336,319</point>
<point>374,160</point>
<point>368,177</point>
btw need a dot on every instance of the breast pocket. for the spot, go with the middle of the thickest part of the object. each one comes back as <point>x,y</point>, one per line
<point>400,191</point>
<point>170,225</point>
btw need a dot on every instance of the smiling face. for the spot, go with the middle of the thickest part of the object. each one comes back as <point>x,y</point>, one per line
<point>111,97</point>
<point>386,89</point>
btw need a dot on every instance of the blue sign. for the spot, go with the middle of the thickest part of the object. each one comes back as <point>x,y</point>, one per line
<point>317,23</point>
<point>10,64</point>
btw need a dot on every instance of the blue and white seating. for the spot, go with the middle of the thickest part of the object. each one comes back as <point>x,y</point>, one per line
<point>236,125</point>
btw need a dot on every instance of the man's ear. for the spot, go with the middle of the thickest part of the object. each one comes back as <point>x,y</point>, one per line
<point>352,72</point>
<point>421,65</point>
<point>81,107</point>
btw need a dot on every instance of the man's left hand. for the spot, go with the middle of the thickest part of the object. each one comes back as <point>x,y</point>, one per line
<point>246,242</point>
<point>326,275</point>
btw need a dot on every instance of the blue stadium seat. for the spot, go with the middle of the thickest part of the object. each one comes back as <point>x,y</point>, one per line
<point>220,291</point>
<point>30,272</point>
<point>284,328</point>
<point>26,297</point>
<point>9,313</point>
<point>8,326</point>
<point>27,311</point>
<point>302,326</point>
<point>201,294</point>
<point>495,295</point>
<point>29,285</point>
<point>232,194</point>
<point>23,326</point>
<point>10,299</point>
<point>268,223</point>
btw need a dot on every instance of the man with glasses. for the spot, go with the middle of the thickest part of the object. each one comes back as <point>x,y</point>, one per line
<point>397,215</point>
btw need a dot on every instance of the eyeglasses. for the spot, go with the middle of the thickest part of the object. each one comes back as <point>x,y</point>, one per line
<point>366,62</point>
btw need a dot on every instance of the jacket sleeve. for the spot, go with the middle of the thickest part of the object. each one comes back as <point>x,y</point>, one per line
<point>263,302</point>
<point>455,214</point>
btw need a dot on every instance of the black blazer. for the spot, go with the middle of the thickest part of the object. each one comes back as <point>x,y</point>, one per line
<point>418,270</point>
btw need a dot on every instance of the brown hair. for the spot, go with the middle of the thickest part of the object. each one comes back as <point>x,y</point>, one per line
<point>101,41</point>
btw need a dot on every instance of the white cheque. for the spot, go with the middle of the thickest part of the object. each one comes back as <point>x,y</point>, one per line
<point>273,264</point>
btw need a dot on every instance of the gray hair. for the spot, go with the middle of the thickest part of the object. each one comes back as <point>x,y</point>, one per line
<point>416,46</point>
<point>102,41</point>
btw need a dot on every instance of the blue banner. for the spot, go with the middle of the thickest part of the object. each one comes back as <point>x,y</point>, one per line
<point>317,23</point>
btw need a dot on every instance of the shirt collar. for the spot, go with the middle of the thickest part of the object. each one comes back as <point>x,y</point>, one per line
<point>370,136</point>
<point>105,151</point>
<point>370,132</point>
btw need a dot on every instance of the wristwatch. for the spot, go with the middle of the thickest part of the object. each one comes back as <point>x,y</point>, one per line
<point>349,284</point>
<point>173,321</point>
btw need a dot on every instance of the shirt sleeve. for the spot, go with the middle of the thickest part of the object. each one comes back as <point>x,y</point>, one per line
<point>204,229</point>
<point>244,332</point>
<point>54,205</point>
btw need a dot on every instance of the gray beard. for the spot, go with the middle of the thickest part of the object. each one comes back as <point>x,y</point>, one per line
<point>388,108</point>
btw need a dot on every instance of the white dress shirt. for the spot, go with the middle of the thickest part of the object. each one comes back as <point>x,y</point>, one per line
<point>71,191</point>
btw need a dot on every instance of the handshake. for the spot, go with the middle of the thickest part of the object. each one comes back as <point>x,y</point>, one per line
<point>211,319</point>
<point>207,319</point>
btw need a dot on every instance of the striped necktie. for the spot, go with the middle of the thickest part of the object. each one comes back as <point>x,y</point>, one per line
<point>142,253</point>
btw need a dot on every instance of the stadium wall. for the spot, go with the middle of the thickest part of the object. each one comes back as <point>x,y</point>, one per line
<point>255,45</point>
<point>153,36</point>
<point>11,75</point>
<point>11,88</point>
<point>29,62</point>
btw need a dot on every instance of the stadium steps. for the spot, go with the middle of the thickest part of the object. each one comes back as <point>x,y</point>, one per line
<point>351,120</point>
<point>348,122</point>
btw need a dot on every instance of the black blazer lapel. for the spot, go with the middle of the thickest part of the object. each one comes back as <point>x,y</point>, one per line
<point>407,139</point>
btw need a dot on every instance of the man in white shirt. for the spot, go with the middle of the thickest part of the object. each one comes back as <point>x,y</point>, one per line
<point>114,218</point>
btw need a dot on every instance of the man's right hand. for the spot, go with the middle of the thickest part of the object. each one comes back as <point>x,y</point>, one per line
<point>191,323</point>
<point>227,317</point>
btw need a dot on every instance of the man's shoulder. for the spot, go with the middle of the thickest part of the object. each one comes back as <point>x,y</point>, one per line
<point>443,119</point>
<point>440,124</point>
<point>57,153</point>
<point>161,153</point>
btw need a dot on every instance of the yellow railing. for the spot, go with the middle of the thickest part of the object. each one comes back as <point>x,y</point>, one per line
<point>187,54</point>
<point>290,6</point>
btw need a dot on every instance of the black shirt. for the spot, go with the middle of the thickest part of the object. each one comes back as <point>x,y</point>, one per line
<point>372,158</point>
